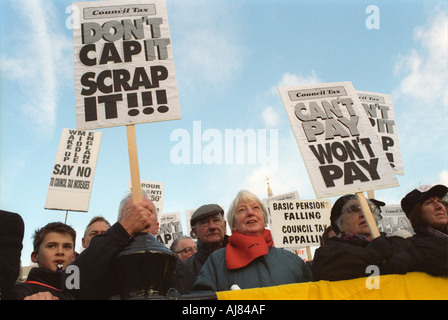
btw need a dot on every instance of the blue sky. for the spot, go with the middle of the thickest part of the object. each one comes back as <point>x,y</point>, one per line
<point>230,57</point>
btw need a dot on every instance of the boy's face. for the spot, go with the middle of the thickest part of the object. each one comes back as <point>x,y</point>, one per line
<point>56,248</point>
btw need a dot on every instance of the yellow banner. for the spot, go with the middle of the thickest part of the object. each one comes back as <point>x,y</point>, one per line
<point>411,286</point>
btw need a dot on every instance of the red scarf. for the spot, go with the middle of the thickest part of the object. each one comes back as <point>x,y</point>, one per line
<point>242,249</point>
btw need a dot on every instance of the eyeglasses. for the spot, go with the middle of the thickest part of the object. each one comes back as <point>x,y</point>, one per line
<point>356,208</point>
<point>187,250</point>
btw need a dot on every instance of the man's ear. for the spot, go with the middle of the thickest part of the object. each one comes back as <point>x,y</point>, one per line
<point>34,257</point>
<point>193,229</point>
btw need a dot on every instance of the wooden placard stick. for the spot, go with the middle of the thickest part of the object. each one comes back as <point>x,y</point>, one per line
<point>133,164</point>
<point>368,215</point>
<point>308,253</point>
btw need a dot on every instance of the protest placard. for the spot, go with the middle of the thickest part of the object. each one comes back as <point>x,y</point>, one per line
<point>380,111</point>
<point>188,214</point>
<point>154,191</point>
<point>285,196</point>
<point>124,67</point>
<point>394,219</point>
<point>72,176</point>
<point>170,228</point>
<point>299,224</point>
<point>339,146</point>
<point>303,254</point>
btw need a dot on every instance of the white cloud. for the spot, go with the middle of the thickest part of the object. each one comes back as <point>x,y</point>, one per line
<point>421,97</point>
<point>206,47</point>
<point>289,175</point>
<point>289,79</point>
<point>270,117</point>
<point>39,60</point>
<point>424,69</point>
<point>210,54</point>
<point>444,177</point>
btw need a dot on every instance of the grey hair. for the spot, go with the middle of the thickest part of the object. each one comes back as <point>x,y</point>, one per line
<point>96,219</point>
<point>125,199</point>
<point>376,213</point>
<point>244,195</point>
<point>173,246</point>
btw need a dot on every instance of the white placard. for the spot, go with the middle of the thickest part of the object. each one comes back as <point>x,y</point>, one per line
<point>394,219</point>
<point>380,110</point>
<point>299,224</point>
<point>170,228</point>
<point>285,196</point>
<point>339,146</point>
<point>154,191</point>
<point>124,67</point>
<point>72,176</point>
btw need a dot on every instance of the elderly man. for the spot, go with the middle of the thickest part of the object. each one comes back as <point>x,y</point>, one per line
<point>184,247</point>
<point>209,226</point>
<point>96,226</point>
<point>99,265</point>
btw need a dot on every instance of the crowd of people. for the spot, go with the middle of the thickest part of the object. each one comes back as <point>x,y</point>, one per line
<point>216,261</point>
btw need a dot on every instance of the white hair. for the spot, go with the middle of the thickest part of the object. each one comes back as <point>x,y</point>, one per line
<point>244,195</point>
<point>126,199</point>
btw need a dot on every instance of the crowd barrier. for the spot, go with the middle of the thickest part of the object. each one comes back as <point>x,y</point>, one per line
<point>411,286</point>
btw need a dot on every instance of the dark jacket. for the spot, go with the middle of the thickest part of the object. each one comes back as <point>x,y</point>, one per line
<point>11,236</point>
<point>426,231</point>
<point>278,267</point>
<point>342,259</point>
<point>41,280</point>
<point>99,267</point>
<point>196,261</point>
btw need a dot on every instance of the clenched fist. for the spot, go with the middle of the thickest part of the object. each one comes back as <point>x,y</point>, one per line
<point>139,217</point>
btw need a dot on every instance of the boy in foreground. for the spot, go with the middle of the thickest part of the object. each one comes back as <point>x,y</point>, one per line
<point>54,250</point>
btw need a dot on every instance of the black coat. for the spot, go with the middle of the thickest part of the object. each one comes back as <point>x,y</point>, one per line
<point>197,260</point>
<point>41,280</point>
<point>341,259</point>
<point>100,272</point>
<point>11,236</point>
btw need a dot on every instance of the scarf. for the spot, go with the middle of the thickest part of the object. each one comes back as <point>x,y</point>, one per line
<point>352,236</point>
<point>243,249</point>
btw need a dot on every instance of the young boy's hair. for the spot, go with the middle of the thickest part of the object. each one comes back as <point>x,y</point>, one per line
<point>58,227</point>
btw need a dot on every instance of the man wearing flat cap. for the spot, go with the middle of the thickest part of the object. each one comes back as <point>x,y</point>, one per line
<point>209,226</point>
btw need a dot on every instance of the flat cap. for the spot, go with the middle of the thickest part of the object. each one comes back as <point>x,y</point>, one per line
<point>204,211</point>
